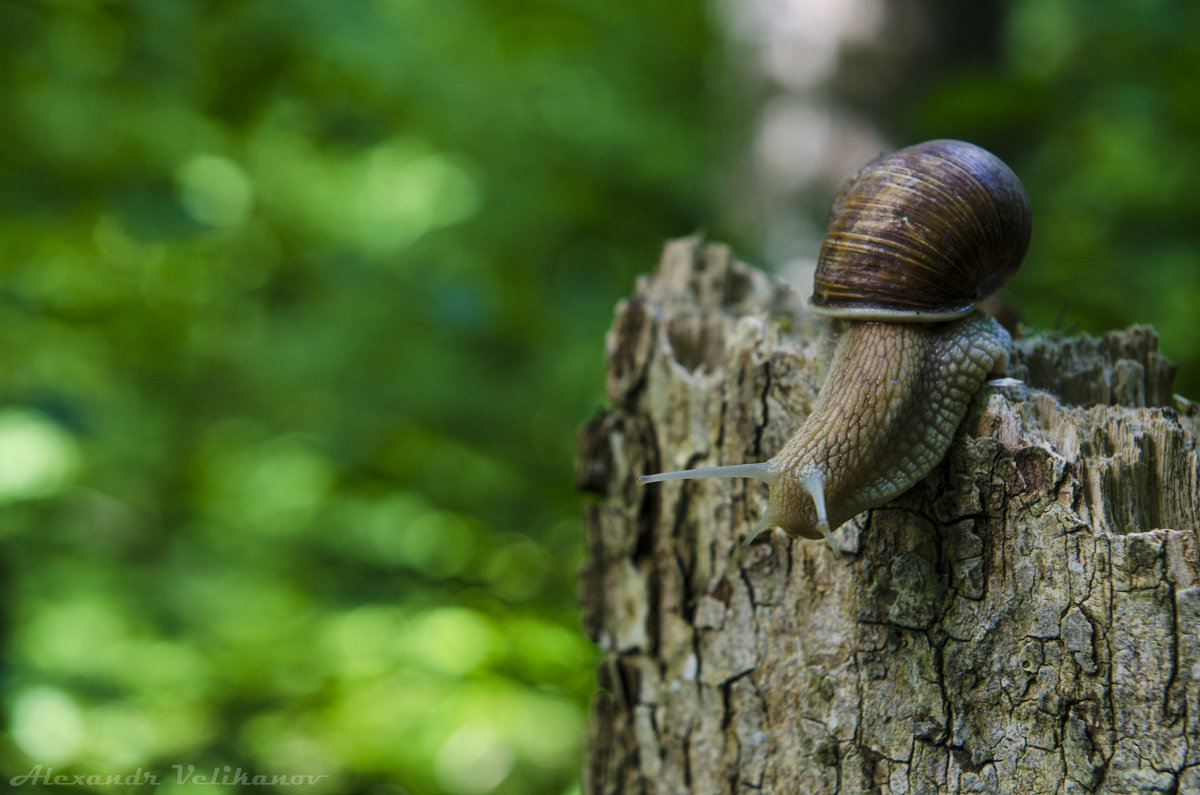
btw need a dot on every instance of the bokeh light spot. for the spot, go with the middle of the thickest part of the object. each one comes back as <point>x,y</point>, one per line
<point>46,724</point>
<point>214,190</point>
<point>473,760</point>
<point>37,457</point>
<point>407,191</point>
<point>363,642</point>
<point>275,487</point>
<point>455,640</point>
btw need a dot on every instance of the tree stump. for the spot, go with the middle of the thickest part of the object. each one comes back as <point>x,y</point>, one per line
<point>1024,620</point>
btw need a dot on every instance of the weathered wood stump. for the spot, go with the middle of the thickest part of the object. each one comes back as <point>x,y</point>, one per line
<point>1026,619</point>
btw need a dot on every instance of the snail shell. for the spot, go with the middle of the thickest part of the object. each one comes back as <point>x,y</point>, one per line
<point>922,235</point>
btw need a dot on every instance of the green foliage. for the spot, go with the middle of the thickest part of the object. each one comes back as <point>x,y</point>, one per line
<point>303,304</point>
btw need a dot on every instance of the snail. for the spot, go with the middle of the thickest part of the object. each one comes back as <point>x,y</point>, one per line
<point>914,242</point>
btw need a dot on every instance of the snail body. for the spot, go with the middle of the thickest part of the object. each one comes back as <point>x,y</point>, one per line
<point>914,242</point>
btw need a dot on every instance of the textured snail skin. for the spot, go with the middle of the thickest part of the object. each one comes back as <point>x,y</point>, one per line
<point>885,417</point>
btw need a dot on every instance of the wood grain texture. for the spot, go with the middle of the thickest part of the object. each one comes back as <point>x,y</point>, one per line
<point>1027,619</point>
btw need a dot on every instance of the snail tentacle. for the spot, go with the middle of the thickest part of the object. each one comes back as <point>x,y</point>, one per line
<point>814,484</point>
<point>762,471</point>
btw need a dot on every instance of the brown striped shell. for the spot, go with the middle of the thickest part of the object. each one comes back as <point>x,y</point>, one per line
<point>922,234</point>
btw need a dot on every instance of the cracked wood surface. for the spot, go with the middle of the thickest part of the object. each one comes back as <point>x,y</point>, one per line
<point>1026,619</point>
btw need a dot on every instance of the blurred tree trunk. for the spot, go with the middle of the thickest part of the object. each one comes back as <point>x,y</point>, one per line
<point>1026,619</point>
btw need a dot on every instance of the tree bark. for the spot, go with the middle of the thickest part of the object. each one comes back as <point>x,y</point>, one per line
<point>1026,619</point>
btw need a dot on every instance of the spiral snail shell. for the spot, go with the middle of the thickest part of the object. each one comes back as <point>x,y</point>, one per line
<point>922,235</point>
<point>914,242</point>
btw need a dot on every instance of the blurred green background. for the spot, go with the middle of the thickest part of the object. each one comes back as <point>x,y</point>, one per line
<point>302,303</point>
